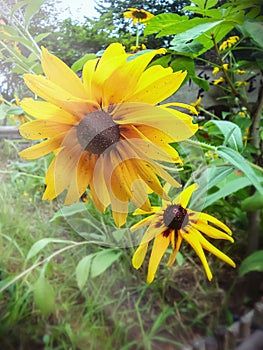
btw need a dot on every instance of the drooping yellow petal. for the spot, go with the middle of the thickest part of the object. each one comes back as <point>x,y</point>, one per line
<point>40,129</point>
<point>210,218</point>
<point>178,126</point>
<point>175,251</point>
<point>184,197</point>
<point>60,172</point>
<point>100,180</point>
<point>87,76</point>
<point>212,232</point>
<point>45,110</point>
<point>60,74</point>
<point>81,179</point>
<point>150,149</point>
<point>212,249</point>
<point>51,92</point>
<point>43,148</point>
<point>160,246</point>
<point>139,255</point>
<point>193,238</point>
<point>158,88</point>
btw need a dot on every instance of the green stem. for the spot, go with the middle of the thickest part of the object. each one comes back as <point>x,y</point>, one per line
<point>212,115</point>
<point>22,173</point>
<point>137,34</point>
<point>214,149</point>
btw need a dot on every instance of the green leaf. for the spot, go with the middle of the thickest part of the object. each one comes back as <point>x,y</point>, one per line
<point>44,296</point>
<point>103,260</point>
<point>240,163</point>
<point>69,211</point>
<point>184,64</point>
<point>41,36</point>
<point>253,29</point>
<point>78,65</point>
<point>231,132</point>
<point>32,8</point>
<point>163,21</point>
<point>41,244</point>
<point>227,189</point>
<point>253,262</point>
<point>201,82</point>
<point>210,3</point>
<point>83,270</point>
<point>253,203</point>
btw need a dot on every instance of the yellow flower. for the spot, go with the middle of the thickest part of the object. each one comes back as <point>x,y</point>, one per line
<point>138,15</point>
<point>218,81</point>
<point>170,225</point>
<point>225,66</point>
<point>227,44</point>
<point>240,71</point>
<point>215,70</point>
<point>135,48</point>
<point>241,83</point>
<point>106,130</point>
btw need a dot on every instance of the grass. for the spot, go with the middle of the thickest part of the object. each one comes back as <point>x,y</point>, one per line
<point>45,309</point>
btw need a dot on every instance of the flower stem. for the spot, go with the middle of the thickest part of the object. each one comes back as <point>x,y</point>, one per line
<point>137,34</point>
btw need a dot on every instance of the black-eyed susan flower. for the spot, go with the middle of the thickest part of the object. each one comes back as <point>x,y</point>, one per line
<point>227,44</point>
<point>138,15</point>
<point>172,223</point>
<point>105,129</point>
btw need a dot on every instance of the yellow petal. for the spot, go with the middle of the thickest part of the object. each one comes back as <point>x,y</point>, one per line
<point>184,197</point>
<point>175,124</point>
<point>148,148</point>
<point>80,179</point>
<point>119,183</point>
<point>212,249</point>
<point>43,148</point>
<point>61,171</point>
<point>207,217</point>
<point>51,92</point>
<point>158,88</point>
<point>193,238</point>
<point>175,251</point>
<point>46,110</point>
<point>40,129</point>
<point>144,222</point>
<point>139,255</point>
<point>59,73</point>
<point>100,180</point>
<point>87,76</point>
<point>211,231</point>
<point>160,246</point>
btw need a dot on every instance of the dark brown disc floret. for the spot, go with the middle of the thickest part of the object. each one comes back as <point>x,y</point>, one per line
<point>175,217</point>
<point>97,131</point>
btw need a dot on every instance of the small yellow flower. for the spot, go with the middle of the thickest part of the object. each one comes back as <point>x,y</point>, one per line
<point>242,114</point>
<point>137,48</point>
<point>215,70</point>
<point>172,223</point>
<point>138,15</point>
<point>229,43</point>
<point>218,81</point>
<point>226,66</point>
<point>241,83</point>
<point>240,71</point>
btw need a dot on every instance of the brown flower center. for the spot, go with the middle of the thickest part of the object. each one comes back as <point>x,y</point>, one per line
<point>139,14</point>
<point>97,131</point>
<point>175,217</point>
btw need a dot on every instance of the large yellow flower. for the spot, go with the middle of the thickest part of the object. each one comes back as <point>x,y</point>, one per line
<point>173,222</point>
<point>138,15</point>
<point>105,129</point>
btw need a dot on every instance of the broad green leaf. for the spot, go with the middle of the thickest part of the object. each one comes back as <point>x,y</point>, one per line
<point>17,6</point>
<point>189,48</point>
<point>44,296</point>
<point>103,260</point>
<point>253,29</point>
<point>15,110</point>
<point>201,82</point>
<point>210,3</point>
<point>240,163</point>
<point>41,244</point>
<point>184,64</point>
<point>32,8</point>
<point>69,211</point>
<point>230,131</point>
<point>253,203</point>
<point>164,20</point>
<point>78,65</point>
<point>253,262</point>
<point>226,190</point>
<point>83,270</point>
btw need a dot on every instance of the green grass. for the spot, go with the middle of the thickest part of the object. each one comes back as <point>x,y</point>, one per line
<point>45,309</point>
